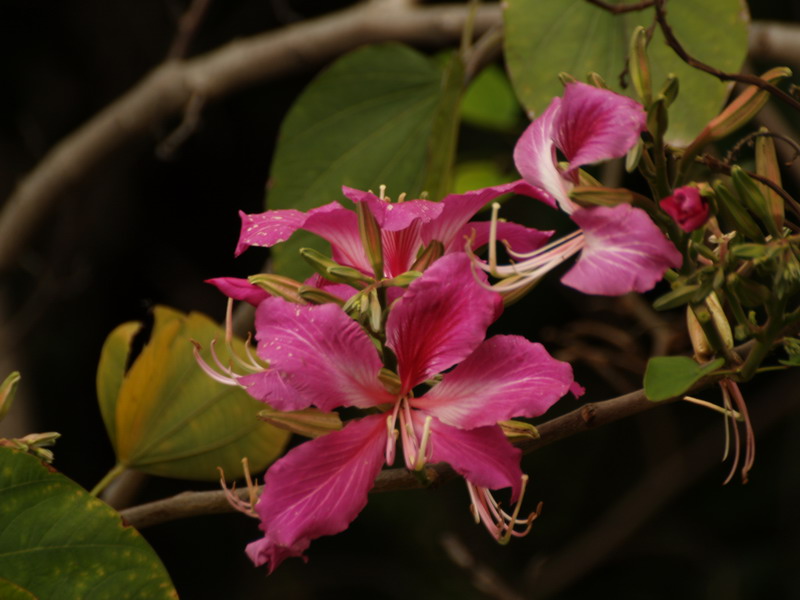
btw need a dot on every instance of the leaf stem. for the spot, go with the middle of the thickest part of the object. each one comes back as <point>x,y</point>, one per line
<point>115,472</point>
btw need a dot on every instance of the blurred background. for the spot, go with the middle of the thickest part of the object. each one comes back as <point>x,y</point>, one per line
<point>635,510</point>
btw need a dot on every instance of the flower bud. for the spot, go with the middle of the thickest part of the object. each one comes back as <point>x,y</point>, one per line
<point>370,234</point>
<point>309,422</point>
<point>767,166</point>
<point>278,285</point>
<point>710,312</point>
<point>639,66</point>
<point>686,207</point>
<point>7,391</point>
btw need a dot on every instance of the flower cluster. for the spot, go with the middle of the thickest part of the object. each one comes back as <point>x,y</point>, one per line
<point>396,327</point>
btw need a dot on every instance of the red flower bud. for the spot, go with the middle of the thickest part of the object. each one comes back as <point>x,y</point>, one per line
<point>687,207</point>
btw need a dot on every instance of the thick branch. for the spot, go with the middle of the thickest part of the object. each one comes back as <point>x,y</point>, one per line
<point>169,88</point>
<point>589,416</point>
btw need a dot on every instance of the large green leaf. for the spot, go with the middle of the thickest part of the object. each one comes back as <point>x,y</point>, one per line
<point>363,122</point>
<point>57,542</point>
<point>166,417</point>
<point>545,37</point>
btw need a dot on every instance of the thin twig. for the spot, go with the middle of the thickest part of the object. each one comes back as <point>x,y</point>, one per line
<point>672,42</point>
<point>188,25</point>
<point>238,64</point>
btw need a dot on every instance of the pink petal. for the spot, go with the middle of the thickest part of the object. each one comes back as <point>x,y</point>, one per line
<point>239,289</point>
<point>687,208</point>
<point>458,209</point>
<point>400,249</point>
<point>483,456</point>
<point>535,159</point>
<point>440,320</point>
<point>317,489</point>
<point>624,251</point>
<point>339,227</point>
<point>269,228</point>
<point>394,216</point>
<point>320,353</point>
<point>596,124</point>
<point>507,376</point>
<point>520,238</point>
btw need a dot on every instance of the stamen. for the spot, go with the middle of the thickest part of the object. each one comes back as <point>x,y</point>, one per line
<point>493,240</point>
<point>423,444</point>
<point>215,375</point>
<point>728,412</point>
<point>391,441</point>
<point>233,498</point>
<point>500,524</point>
<point>382,194</point>
<point>401,197</point>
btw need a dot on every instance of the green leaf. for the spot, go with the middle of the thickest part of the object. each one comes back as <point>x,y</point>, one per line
<point>545,37</point>
<point>489,102</point>
<point>57,542</point>
<point>363,122</point>
<point>670,376</point>
<point>168,417</point>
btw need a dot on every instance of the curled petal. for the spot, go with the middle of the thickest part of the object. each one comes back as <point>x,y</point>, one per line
<point>317,489</point>
<point>624,252</point>
<point>535,159</point>
<point>274,226</point>
<point>458,209</point>
<point>239,289</point>
<point>596,124</point>
<point>318,356</point>
<point>440,320</point>
<point>520,238</point>
<point>507,376</point>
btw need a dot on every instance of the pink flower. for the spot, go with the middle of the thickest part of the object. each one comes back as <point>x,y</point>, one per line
<point>407,227</point>
<point>687,207</point>
<point>621,249</point>
<point>320,357</point>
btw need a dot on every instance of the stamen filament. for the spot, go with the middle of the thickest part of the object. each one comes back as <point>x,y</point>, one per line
<point>423,444</point>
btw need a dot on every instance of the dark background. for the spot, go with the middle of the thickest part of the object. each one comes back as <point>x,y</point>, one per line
<point>634,510</point>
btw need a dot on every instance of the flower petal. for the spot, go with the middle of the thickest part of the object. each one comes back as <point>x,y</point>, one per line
<point>535,159</point>
<point>269,228</point>
<point>320,354</point>
<point>458,209</point>
<point>483,456</point>
<point>521,239</point>
<point>394,216</point>
<point>624,251</point>
<point>339,227</point>
<point>239,289</point>
<point>317,489</point>
<point>440,320</point>
<point>596,124</point>
<point>507,376</point>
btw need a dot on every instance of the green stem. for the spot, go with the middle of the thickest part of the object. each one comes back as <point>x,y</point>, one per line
<point>115,472</point>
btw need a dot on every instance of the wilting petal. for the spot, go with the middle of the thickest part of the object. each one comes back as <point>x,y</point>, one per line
<point>507,376</point>
<point>460,208</point>
<point>239,289</point>
<point>596,124</point>
<point>394,216</point>
<point>320,353</point>
<point>317,489</point>
<point>521,239</point>
<point>624,252</point>
<point>440,320</point>
<point>269,228</point>
<point>483,456</point>
<point>535,159</point>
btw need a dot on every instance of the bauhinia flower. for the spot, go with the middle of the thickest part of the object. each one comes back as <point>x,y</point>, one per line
<point>407,227</point>
<point>621,249</point>
<point>686,207</point>
<point>320,357</point>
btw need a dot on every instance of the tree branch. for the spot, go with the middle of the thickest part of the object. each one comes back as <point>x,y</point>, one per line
<point>170,87</point>
<point>589,416</point>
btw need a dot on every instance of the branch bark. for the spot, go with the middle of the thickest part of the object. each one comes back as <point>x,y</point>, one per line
<point>170,87</point>
<point>589,416</point>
